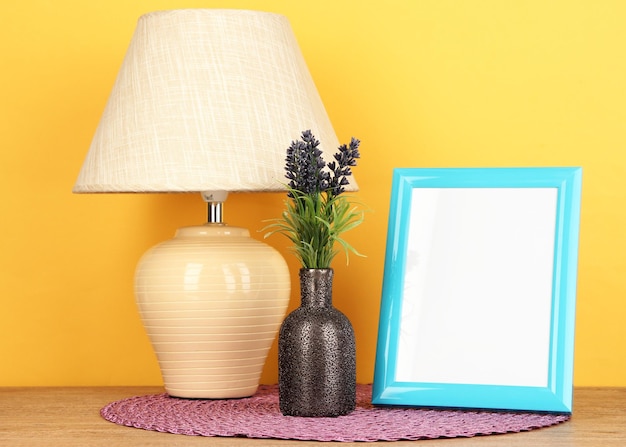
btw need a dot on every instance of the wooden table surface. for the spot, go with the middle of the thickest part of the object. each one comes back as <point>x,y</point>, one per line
<point>68,417</point>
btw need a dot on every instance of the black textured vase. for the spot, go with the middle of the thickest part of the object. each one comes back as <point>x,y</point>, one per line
<point>316,353</point>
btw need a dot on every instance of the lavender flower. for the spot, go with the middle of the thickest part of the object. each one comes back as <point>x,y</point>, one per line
<point>345,158</point>
<point>305,166</point>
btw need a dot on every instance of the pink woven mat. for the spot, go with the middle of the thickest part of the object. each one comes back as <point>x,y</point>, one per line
<point>259,417</point>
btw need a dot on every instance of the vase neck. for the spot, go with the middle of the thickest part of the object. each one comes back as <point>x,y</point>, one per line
<point>316,287</point>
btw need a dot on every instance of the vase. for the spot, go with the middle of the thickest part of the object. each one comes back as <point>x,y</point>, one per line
<point>316,353</point>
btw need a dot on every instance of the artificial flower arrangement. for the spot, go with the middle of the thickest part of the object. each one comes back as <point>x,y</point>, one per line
<point>317,212</point>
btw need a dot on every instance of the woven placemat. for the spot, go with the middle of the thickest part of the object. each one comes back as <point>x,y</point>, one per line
<point>259,417</point>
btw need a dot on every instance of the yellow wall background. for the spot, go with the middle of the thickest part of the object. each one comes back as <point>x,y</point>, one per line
<point>429,83</point>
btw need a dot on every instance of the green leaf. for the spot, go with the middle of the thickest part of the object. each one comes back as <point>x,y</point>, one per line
<point>314,223</point>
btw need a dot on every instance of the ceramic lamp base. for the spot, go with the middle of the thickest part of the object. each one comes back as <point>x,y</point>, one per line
<point>212,300</point>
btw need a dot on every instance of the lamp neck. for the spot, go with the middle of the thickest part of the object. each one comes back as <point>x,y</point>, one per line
<point>214,215</point>
<point>215,201</point>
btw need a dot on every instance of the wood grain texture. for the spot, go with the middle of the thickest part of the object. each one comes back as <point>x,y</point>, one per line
<point>70,417</point>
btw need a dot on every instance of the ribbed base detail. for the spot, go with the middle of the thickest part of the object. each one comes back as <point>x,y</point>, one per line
<point>212,300</point>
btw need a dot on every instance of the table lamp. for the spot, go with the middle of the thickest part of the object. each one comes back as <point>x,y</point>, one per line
<point>207,101</point>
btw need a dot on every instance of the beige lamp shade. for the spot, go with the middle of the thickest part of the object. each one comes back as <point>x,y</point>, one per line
<point>205,100</point>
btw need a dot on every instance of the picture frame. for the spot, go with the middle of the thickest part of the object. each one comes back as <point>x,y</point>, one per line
<point>479,289</point>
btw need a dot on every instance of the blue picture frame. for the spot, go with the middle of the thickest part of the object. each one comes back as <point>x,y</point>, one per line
<point>438,380</point>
